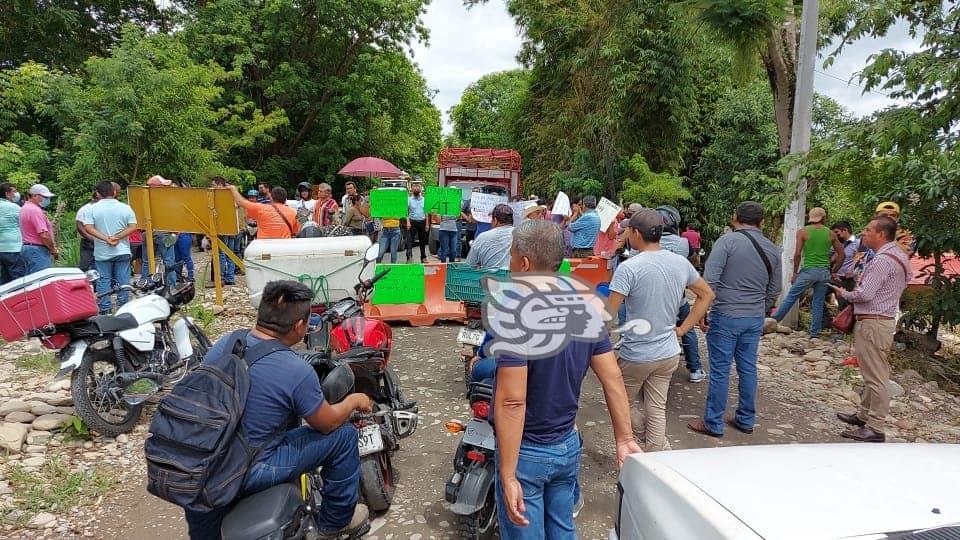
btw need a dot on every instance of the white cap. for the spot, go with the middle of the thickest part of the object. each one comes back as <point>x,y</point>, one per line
<point>40,189</point>
<point>158,180</point>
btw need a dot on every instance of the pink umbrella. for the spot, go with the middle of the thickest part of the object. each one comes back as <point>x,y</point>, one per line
<point>371,167</point>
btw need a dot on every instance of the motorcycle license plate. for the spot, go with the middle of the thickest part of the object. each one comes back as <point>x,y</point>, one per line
<point>480,434</point>
<point>371,441</point>
<point>473,337</point>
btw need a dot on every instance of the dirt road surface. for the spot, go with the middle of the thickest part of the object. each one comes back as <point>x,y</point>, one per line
<point>430,373</point>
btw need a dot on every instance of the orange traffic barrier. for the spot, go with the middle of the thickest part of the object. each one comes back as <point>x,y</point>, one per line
<point>591,269</point>
<point>435,306</point>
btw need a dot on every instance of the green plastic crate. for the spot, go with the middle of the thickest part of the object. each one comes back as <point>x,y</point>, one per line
<point>463,282</point>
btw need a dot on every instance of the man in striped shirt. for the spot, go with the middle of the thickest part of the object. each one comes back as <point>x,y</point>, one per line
<point>875,302</point>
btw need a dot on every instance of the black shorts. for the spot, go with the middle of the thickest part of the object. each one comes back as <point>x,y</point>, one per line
<point>136,252</point>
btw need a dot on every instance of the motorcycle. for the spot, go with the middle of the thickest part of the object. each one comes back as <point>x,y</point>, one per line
<point>117,362</point>
<point>469,338</point>
<point>344,337</point>
<point>288,511</point>
<point>470,489</point>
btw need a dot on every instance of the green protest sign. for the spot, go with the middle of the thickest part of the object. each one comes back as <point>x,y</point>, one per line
<point>388,203</point>
<point>564,267</point>
<point>403,285</point>
<point>443,201</point>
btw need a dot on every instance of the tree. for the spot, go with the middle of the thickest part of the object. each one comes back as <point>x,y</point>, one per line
<point>488,115</point>
<point>651,189</point>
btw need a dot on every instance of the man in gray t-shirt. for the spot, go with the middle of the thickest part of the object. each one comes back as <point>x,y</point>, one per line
<point>491,249</point>
<point>652,283</point>
<point>744,269</point>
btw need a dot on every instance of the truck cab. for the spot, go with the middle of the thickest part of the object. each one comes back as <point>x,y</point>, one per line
<point>492,170</point>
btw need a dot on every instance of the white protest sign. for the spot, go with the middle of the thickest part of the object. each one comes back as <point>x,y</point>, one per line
<point>561,205</point>
<point>607,210</point>
<point>481,205</point>
<point>519,208</point>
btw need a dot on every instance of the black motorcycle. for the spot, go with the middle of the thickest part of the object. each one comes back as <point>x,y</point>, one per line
<point>470,489</point>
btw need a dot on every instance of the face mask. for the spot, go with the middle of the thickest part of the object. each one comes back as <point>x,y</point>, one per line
<point>16,197</point>
<point>44,202</point>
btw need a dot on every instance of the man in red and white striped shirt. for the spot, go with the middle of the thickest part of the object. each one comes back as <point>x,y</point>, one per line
<point>875,303</point>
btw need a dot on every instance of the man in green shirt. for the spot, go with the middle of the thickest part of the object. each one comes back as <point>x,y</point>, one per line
<point>12,265</point>
<point>813,248</point>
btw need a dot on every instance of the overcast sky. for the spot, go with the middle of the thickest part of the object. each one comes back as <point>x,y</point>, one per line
<point>466,44</point>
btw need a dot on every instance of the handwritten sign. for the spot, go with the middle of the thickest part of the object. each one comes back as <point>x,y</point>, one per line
<point>607,210</point>
<point>403,285</point>
<point>519,208</point>
<point>443,201</point>
<point>481,205</point>
<point>388,203</point>
<point>561,205</point>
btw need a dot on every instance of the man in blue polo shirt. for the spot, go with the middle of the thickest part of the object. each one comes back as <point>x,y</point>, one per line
<point>584,227</point>
<point>535,406</point>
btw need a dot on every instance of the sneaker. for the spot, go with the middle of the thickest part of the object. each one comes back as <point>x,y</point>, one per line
<point>697,376</point>
<point>359,524</point>
<point>577,507</point>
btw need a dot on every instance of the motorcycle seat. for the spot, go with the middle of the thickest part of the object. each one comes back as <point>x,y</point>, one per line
<point>114,323</point>
<point>263,514</point>
<point>357,353</point>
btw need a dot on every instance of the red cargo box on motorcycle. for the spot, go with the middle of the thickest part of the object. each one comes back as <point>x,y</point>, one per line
<point>49,297</point>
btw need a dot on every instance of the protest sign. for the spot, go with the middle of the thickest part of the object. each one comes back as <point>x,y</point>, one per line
<point>481,205</point>
<point>519,208</point>
<point>607,210</point>
<point>561,205</point>
<point>388,203</point>
<point>443,201</point>
<point>402,285</point>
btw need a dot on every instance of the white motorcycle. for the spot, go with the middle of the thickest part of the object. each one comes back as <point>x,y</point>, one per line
<point>119,361</point>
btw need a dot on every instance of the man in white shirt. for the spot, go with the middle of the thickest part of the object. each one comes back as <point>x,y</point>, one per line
<point>86,241</point>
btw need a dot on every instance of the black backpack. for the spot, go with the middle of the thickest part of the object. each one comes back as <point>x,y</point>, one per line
<point>197,454</point>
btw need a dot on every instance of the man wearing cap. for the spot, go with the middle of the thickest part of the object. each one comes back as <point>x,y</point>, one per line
<point>653,284</point>
<point>39,248</point>
<point>491,249</point>
<point>11,243</point>
<point>814,244</point>
<point>904,238</point>
<point>744,270</point>
<point>110,223</point>
<point>304,203</point>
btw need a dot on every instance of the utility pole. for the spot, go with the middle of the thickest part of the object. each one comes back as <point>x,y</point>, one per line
<point>794,218</point>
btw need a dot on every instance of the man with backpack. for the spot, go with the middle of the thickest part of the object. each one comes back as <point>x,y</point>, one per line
<point>284,392</point>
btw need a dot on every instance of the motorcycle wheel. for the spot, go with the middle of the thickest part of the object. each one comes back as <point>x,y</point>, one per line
<point>98,401</point>
<point>481,524</point>
<point>377,481</point>
<point>199,341</point>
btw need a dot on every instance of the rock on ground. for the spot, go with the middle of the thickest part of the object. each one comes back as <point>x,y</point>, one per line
<point>49,422</point>
<point>12,436</point>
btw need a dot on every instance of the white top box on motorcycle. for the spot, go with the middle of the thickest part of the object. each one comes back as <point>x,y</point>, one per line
<point>337,260</point>
<point>45,298</point>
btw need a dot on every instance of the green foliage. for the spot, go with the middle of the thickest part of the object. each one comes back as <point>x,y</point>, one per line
<point>488,115</point>
<point>75,429</point>
<point>745,24</point>
<point>55,488</point>
<point>42,363</point>
<point>649,188</point>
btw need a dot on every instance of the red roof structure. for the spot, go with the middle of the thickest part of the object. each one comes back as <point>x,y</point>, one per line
<point>480,158</point>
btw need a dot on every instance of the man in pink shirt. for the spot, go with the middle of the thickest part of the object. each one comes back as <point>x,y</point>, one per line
<point>39,248</point>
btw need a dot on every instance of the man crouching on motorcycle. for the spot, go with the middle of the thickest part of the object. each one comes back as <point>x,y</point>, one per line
<point>283,390</point>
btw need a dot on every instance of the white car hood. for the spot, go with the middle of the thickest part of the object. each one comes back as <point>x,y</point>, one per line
<point>827,490</point>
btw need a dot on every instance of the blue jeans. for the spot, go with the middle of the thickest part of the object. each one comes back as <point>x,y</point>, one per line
<point>182,252</point>
<point>12,266</point>
<point>485,368</point>
<point>36,258</point>
<point>115,270</point>
<point>228,268</point>
<point>389,239</point>
<point>691,346</point>
<point>457,246</point>
<point>818,278</point>
<point>448,246</point>
<point>162,253</point>
<point>732,338</point>
<point>548,475</point>
<point>300,450</point>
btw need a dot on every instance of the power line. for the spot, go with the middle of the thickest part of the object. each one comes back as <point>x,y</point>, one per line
<point>849,83</point>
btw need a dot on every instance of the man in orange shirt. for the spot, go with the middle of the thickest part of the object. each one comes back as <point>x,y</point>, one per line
<point>274,220</point>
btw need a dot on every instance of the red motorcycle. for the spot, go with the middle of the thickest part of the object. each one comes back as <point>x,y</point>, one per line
<point>343,336</point>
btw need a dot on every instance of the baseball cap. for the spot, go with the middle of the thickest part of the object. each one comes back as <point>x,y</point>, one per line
<point>40,189</point>
<point>888,206</point>
<point>633,208</point>
<point>648,222</point>
<point>158,180</point>
<point>817,215</point>
<point>252,193</point>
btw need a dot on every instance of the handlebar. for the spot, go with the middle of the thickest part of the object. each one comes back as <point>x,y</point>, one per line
<point>115,290</point>
<point>379,276</point>
<point>366,285</point>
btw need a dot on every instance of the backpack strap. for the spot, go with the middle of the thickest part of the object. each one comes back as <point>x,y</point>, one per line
<point>756,246</point>
<point>253,354</point>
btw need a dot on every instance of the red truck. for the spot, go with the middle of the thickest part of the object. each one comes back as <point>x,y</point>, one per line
<point>492,170</point>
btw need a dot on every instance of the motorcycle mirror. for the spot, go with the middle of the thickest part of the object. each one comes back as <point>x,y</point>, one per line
<point>157,278</point>
<point>338,383</point>
<point>140,390</point>
<point>372,253</point>
<point>92,275</point>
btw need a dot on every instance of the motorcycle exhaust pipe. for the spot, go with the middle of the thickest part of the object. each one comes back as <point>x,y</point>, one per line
<point>139,386</point>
